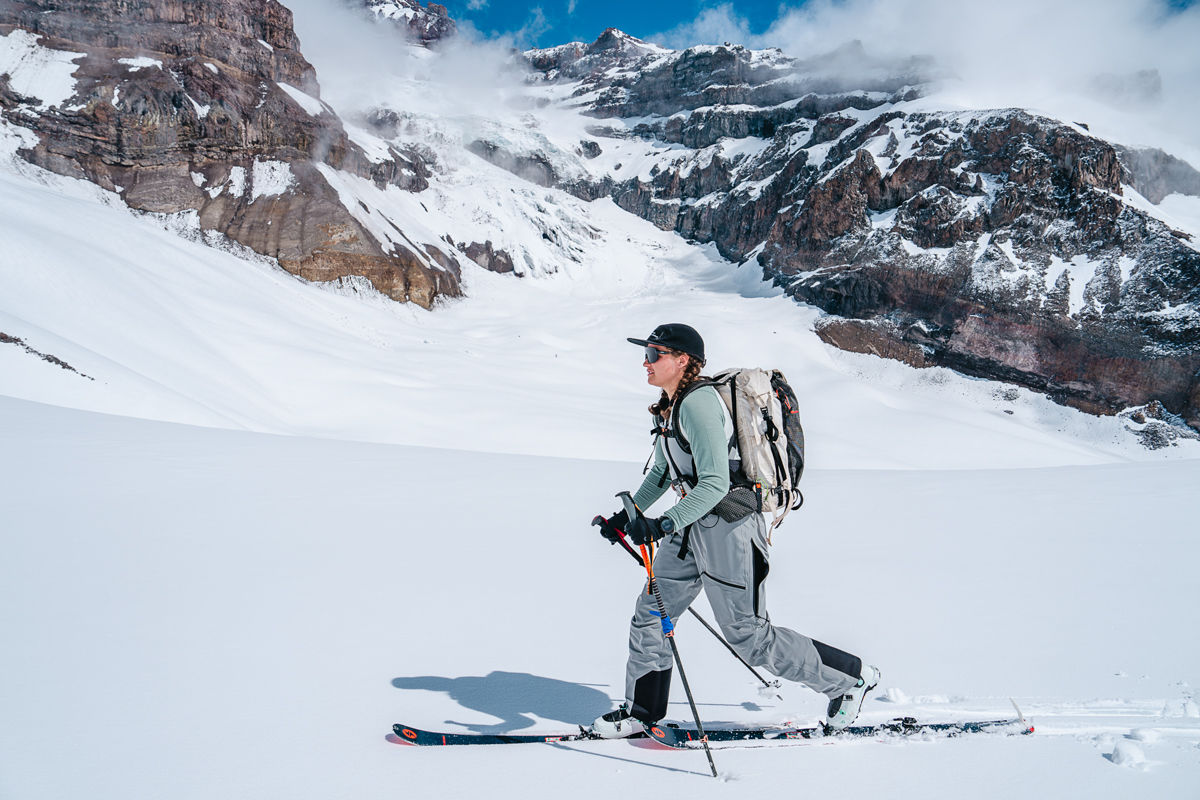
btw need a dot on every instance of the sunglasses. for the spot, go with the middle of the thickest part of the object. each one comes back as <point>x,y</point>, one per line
<point>652,354</point>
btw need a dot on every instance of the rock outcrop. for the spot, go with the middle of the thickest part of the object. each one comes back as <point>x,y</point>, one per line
<point>487,257</point>
<point>1000,244</point>
<point>1155,174</point>
<point>208,107</point>
<point>423,25</point>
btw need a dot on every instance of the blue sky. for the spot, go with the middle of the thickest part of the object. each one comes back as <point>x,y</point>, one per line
<point>561,21</point>
<point>544,23</point>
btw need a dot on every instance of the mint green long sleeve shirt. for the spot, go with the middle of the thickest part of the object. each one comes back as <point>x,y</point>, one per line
<point>702,419</point>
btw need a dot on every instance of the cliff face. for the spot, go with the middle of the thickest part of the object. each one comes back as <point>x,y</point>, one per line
<point>1001,244</point>
<point>209,107</point>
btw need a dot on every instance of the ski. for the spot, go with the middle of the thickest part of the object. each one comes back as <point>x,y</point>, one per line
<point>410,735</point>
<point>675,736</point>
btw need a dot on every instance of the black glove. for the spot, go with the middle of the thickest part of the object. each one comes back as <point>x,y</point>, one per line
<point>613,527</point>
<point>645,530</point>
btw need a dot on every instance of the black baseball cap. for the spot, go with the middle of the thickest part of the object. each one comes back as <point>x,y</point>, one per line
<point>676,336</point>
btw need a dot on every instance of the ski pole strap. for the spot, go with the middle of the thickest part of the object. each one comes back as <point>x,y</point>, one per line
<point>629,549</point>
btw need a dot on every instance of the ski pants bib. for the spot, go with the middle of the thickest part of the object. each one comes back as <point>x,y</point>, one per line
<point>729,561</point>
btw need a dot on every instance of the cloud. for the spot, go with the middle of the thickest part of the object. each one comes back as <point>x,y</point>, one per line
<point>1040,53</point>
<point>362,64</point>
<point>535,25</point>
<point>476,5</point>
<point>714,26</point>
<point>1043,55</point>
<point>571,6</point>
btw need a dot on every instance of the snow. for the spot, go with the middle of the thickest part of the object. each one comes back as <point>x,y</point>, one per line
<point>1082,270</point>
<point>276,603</point>
<point>914,249</point>
<point>626,276</point>
<point>734,149</point>
<point>1128,754</point>
<point>212,68</point>
<point>393,11</point>
<point>376,149</point>
<point>285,516</point>
<point>37,71</point>
<point>201,110</point>
<point>1182,212</point>
<point>237,181</point>
<point>270,178</point>
<point>141,62</point>
<point>310,104</point>
<point>883,220</point>
<point>266,45</point>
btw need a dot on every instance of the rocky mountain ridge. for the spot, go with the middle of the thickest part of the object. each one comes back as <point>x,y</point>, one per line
<point>1001,244</point>
<point>209,108</point>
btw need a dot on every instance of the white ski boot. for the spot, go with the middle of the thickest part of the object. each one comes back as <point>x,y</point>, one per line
<point>843,710</point>
<point>617,724</point>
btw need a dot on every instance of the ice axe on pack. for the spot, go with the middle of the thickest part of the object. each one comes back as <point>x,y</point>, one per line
<point>617,536</point>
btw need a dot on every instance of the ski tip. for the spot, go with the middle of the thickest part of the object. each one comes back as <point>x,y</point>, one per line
<point>402,735</point>
<point>1025,724</point>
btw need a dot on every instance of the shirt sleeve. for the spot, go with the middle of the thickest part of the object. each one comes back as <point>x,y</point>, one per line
<point>656,482</point>
<point>702,418</point>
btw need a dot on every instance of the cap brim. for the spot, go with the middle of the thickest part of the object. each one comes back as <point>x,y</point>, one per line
<point>642,342</point>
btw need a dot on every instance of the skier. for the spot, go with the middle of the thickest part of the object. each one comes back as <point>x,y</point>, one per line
<point>701,550</point>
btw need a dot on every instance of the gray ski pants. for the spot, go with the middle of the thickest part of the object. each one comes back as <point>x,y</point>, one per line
<point>729,561</point>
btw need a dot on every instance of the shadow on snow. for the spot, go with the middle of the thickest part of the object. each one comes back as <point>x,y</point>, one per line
<point>512,695</point>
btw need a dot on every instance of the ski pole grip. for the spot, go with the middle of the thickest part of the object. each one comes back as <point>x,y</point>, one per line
<point>630,507</point>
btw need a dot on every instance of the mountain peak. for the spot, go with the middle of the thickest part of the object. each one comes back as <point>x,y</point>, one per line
<point>614,39</point>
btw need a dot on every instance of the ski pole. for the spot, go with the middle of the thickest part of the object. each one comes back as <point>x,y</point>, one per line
<point>669,631</point>
<point>736,654</point>
<point>629,549</point>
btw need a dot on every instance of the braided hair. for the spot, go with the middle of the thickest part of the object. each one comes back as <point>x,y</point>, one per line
<point>690,373</point>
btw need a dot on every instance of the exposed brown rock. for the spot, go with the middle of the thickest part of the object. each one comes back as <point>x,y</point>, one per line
<point>488,258</point>
<point>400,277</point>
<point>185,134</point>
<point>830,127</point>
<point>872,338</point>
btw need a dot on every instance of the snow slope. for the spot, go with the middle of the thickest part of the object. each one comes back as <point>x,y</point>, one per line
<point>172,329</point>
<point>201,613</point>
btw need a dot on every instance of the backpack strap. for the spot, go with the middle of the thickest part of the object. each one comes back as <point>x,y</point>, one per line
<point>662,432</point>
<point>675,429</point>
